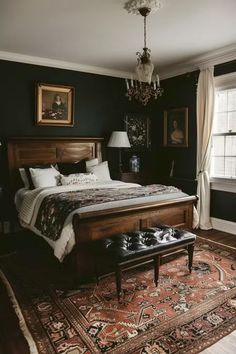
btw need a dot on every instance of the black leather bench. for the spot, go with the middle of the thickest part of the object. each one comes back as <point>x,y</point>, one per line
<point>128,250</point>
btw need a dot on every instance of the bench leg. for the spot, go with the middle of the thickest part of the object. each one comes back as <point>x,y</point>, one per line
<point>156,268</point>
<point>118,282</point>
<point>190,257</point>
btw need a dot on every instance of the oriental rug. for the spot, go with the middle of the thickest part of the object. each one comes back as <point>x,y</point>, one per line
<point>185,314</point>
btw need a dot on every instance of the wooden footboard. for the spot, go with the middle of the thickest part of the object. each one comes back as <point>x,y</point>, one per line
<point>96,225</point>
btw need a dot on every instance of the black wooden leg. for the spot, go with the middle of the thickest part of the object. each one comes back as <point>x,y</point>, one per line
<point>190,256</point>
<point>156,268</point>
<point>118,282</point>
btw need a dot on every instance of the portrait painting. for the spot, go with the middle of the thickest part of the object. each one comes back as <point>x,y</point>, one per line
<point>176,127</point>
<point>138,130</point>
<point>55,105</point>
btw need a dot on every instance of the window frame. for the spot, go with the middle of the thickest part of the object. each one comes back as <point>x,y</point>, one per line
<point>224,82</point>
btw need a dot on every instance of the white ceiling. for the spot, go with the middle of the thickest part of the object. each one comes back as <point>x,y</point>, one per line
<point>100,35</point>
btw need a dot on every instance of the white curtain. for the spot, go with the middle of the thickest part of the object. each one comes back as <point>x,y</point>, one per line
<point>205,112</point>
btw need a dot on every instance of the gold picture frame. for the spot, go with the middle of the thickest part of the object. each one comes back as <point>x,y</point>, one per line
<point>176,127</point>
<point>54,105</point>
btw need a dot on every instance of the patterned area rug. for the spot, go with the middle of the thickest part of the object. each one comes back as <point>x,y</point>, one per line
<point>184,314</point>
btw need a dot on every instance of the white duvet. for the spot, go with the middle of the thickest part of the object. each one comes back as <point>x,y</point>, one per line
<point>28,203</point>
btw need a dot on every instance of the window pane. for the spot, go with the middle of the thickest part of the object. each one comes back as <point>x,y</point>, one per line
<point>231,100</point>
<point>232,121</point>
<point>221,101</point>
<point>230,146</point>
<point>218,167</point>
<point>218,145</point>
<point>230,166</point>
<point>223,153</point>
<point>220,123</point>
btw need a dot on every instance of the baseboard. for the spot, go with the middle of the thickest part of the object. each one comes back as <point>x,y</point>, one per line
<point>224,225</point>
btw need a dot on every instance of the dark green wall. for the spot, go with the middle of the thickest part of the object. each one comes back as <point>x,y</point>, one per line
<point>99,101</point>
<point>223,205</point>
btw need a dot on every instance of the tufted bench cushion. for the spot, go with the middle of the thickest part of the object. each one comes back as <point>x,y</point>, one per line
<point>133,248</point>
<point>132,244</point>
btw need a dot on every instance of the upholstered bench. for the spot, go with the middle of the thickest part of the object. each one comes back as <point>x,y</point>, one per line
<point>128,250</point>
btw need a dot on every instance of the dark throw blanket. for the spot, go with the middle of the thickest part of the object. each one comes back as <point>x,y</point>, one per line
<point>55,208</point>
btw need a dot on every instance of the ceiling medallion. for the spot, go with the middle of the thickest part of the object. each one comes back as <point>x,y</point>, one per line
<point>147,85</point>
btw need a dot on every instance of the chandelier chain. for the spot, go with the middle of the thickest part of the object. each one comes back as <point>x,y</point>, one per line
<point>145,31</point>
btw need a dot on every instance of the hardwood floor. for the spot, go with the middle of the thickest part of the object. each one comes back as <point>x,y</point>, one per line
<point>227,345</point>
<point>12,340</point>
<point>218,236</point>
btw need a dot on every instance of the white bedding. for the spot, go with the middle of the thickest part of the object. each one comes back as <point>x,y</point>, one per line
<point>29,201</point>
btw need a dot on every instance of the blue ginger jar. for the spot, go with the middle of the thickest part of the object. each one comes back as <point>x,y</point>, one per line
<point>134,163</point>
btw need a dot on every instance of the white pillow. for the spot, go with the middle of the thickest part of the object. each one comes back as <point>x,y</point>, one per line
<point>101,171</point>
<point>78,178</point>
<point>91,163</point>
<point>44,177</point>
<point>24,177</point>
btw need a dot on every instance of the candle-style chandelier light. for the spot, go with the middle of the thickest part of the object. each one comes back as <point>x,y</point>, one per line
<point>147,84</point>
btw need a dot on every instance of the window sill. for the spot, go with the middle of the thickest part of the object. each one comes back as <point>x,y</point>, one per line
<point>223,184</point>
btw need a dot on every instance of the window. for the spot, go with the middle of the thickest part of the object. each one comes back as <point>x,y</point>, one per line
<point>223,155</point>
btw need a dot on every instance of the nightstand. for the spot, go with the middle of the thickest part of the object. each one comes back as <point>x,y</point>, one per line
<point>1,211</point>
<point>133,177</point>
<point>4,213</point>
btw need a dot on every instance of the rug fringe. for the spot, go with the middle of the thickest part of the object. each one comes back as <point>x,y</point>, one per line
<point>32,346</point>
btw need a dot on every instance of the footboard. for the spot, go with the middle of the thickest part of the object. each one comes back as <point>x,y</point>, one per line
<point>96,225</point>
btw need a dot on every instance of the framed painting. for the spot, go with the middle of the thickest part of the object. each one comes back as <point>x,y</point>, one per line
<point>176,127</point>
<point>138,130</point>
<point>54,105</point>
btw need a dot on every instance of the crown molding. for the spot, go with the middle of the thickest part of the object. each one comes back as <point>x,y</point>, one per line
<point>60,64</point>
<point>219,56</point>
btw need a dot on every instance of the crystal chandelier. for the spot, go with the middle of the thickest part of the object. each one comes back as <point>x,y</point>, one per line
<point>147,85</point>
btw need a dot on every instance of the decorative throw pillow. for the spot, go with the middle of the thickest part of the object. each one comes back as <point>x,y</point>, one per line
<point>24,177</point>
<point>68,168</point>
<point>91,163</point>
<point>101,171</point>
<point>78,178</point>
<point>44,177</point>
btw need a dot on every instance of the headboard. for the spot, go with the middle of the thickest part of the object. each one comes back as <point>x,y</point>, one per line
<point>33,151</point>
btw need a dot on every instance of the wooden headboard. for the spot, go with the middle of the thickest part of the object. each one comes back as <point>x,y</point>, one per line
<point>33,151</point>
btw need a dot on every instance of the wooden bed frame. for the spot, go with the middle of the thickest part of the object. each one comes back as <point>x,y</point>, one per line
<point>94,225</point>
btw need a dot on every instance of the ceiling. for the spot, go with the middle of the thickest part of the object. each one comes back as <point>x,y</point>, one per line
<point>100,36</point>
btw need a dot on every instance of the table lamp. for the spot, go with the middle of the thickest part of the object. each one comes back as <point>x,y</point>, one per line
<point>119,139</point>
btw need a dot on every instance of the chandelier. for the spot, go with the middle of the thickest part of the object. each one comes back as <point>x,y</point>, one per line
<point>147,85</point>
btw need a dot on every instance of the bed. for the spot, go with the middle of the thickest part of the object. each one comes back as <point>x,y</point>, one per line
<point>92,224</point>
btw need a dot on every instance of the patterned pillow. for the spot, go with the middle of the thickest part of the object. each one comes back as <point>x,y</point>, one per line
<point>78,178</point>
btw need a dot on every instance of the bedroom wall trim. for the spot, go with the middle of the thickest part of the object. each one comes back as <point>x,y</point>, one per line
<point>224,225</point>
<point>219,56</point>
<point>59,64</point>
<point>224,185</point>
